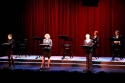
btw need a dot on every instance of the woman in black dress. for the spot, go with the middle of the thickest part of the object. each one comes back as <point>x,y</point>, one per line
<point>46,50</point>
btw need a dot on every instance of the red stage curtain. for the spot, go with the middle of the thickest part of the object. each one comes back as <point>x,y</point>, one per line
<point>70,17</point>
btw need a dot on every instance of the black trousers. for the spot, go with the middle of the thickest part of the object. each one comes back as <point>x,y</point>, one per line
<point>89,61</point>
<point>10,58</point>
<point>11,61</point>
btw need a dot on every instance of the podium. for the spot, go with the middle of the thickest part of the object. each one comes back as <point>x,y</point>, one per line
<point>44,45</point>
<point>45,48</point>
<point>88,50</point>
<point>5,47</point>
<point>86,47</point>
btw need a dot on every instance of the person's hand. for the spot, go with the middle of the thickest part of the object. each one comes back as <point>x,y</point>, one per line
<point>117,42</point>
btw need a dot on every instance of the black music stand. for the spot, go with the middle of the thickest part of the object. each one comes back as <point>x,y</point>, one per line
<point>114,39</point>
<point>87,48</point>
<point>7,48</point>
<point>63,38</point>
<point>38,39</point>
<point>44,46</point>
<point>22,47</point>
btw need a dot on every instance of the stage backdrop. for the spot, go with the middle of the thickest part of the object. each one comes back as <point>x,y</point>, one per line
<point>72,18</point>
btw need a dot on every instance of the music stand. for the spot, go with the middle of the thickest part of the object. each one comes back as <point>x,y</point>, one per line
<point>115,39</point>
<point>38,39</point>
<point>63,37</point>
<point>7,46</point>
<point>22,45</point>
<point>87,48</point>
<point>44,46</point>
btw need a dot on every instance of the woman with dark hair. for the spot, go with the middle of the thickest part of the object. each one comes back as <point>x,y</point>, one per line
<point>95,39</point>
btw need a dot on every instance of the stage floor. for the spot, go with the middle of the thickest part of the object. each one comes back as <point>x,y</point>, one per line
<point>67,58</point>
<point>75,64</point>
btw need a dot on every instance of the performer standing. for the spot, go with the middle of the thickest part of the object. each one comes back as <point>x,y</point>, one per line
<point>117,45</point>
<point>9,52</point>
<point>95,39</point>
<point>89,51</point>
<point>46,50</point>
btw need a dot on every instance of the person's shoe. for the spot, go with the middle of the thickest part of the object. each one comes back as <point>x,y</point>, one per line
<point>121,58</point>
<point>41,68</point>
<point>71,56</point>
<point>112,59</point>
<point>63,57</point>
<point>9,67</point>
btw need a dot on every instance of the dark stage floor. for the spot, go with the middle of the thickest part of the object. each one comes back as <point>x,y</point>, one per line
<point>67,70</point>
<point>76,64</point>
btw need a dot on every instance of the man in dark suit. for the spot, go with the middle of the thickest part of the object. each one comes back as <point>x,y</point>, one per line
<point>117,45</point>
<point>9,52</point>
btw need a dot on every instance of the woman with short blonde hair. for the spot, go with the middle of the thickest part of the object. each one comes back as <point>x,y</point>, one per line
<point>46,50</point>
